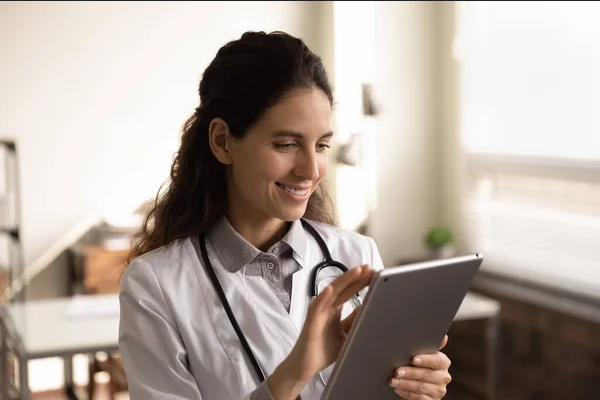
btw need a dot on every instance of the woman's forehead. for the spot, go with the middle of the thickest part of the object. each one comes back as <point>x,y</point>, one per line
<point>305,111</point>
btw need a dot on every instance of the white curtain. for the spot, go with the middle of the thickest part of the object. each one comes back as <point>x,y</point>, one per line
<point>530,139</point>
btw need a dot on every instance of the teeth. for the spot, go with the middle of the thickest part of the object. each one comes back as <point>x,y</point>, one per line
<point>294,191</point>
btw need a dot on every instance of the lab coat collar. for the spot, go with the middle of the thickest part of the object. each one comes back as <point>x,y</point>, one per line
<point>296,239</point>
<point>236,252</point>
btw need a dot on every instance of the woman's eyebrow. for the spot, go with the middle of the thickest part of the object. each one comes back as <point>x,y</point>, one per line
<point>295,134</point>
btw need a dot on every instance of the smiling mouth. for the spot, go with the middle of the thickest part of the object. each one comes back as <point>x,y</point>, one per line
<point>297,192</point>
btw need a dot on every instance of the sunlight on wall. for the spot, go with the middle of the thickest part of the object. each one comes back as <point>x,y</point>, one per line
<point>531,78</point>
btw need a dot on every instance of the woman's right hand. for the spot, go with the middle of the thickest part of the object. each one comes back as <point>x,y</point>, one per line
<point>322,335</point>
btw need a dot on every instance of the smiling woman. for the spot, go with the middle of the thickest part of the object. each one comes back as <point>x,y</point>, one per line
<point>215,300</point>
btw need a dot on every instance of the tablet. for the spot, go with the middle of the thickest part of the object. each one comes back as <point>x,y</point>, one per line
<point>407,311</point>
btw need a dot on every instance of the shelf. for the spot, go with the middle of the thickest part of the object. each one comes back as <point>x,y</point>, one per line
<point>11,252</point>
<point>11,268</point>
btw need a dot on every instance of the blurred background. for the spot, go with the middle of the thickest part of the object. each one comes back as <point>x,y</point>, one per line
<point>460,127</point>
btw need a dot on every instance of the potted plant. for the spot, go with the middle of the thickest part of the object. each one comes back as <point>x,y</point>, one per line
<point>439,240</point>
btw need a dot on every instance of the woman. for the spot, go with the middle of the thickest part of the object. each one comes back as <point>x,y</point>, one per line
<point>243,196</point>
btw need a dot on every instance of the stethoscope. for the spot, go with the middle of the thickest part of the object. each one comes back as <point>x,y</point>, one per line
<point>313,290</point>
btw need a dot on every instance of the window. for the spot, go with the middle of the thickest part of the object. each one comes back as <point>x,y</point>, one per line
<point>530,130</point>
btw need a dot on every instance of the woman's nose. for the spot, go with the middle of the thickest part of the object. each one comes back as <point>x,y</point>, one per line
<point>307,166</point>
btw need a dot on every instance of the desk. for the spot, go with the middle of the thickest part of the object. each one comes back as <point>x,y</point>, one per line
<point>41,329</point>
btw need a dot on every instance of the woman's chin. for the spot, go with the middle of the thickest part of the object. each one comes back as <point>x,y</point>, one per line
<point>292,214</point>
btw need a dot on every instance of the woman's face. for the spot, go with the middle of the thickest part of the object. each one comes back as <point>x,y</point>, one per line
<point>278,165</point>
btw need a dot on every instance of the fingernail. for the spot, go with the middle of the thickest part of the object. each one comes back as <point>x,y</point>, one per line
<point>400,374</point>
<point>417,361</point>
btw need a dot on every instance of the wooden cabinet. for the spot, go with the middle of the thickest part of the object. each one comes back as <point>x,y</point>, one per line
<point>546,353</point>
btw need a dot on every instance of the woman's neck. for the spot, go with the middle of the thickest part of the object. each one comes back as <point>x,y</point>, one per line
<point>262,233</point>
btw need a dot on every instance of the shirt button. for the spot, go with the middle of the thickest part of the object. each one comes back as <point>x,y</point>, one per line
<point>275,250</point>
<point>270,265</point>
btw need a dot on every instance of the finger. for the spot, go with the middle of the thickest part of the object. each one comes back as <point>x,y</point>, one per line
<point>347,278</point>
<point>328,299</point>
<point>436,361</point>
<point>436,377</point>
<point>444,342</point>
<point>349,320</point>
<point>411,396</point>
<point>354,286</point>
<point>339,284</point>
<point>320,303</point>
<point>321,312</point>
<point>418,388</point>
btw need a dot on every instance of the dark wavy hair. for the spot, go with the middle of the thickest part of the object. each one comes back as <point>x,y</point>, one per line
<point>247,77</point>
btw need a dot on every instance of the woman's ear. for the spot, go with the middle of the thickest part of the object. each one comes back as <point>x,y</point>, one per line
<point>219,138</point>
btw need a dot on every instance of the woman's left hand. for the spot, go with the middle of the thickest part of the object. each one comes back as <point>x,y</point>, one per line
<point>427,380</point>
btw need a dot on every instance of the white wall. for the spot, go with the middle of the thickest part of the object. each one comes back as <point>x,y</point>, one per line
<point>95,94</point>
<point>408,128</point>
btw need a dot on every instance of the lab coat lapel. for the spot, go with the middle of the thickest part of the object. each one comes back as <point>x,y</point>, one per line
<point>300,289</point>
<point>263,321</point>
<point>269,308</point>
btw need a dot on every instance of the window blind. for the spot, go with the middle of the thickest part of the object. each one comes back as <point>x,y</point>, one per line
<point>530,130</point>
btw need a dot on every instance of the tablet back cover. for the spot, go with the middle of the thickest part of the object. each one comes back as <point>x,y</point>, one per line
<point>407,311</point>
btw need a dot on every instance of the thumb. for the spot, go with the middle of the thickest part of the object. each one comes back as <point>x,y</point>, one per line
<point>444,342</point>
<point>349,320</point>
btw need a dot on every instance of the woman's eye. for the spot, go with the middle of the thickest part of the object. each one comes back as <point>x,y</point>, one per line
<point>284,146</point>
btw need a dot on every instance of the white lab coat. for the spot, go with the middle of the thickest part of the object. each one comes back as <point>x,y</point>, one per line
<point>176,340</point>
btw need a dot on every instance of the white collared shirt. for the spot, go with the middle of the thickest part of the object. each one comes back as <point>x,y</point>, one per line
<point>276,266</point>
